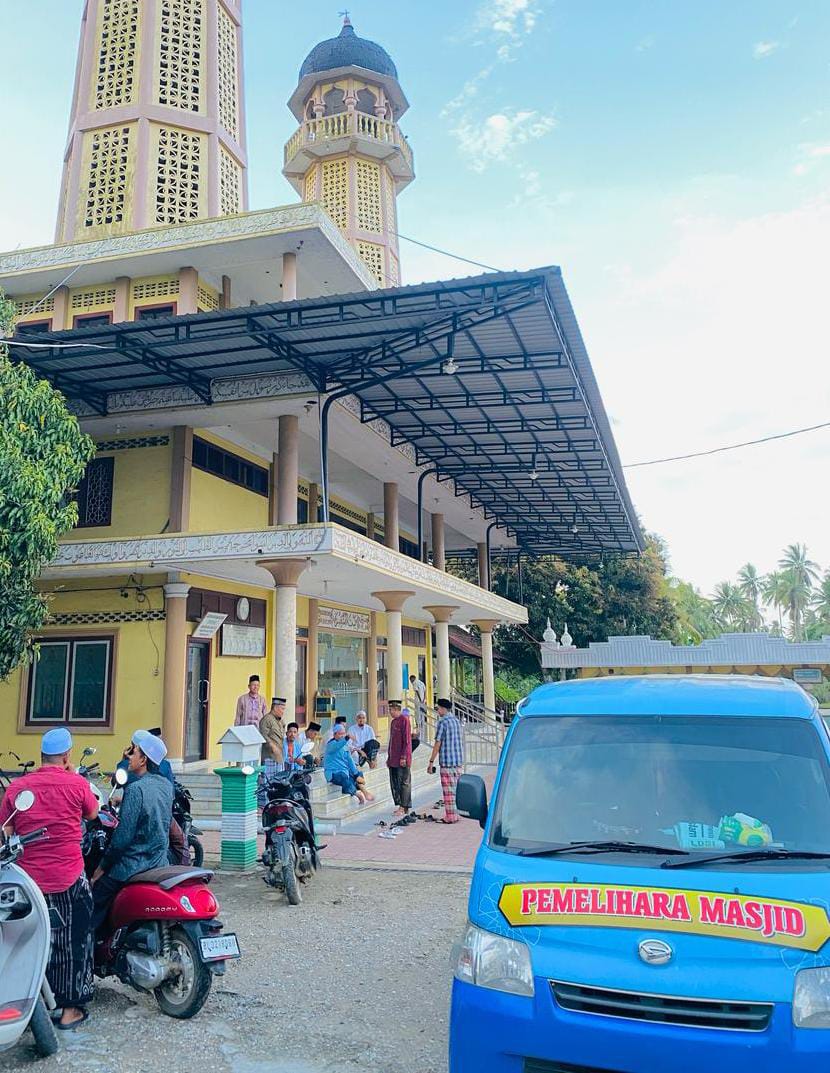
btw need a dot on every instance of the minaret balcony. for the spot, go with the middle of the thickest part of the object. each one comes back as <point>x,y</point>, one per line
<point>348,132</point>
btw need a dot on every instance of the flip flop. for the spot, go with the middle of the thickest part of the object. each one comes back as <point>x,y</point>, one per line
<point>74,1025</point>
<point>386,834</point>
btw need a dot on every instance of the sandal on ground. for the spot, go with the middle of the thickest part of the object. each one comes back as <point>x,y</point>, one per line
<point>449,823</point>
<point>409,819</point>
<point>74,1024</point>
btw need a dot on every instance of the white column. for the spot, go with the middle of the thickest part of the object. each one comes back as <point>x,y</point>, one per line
<point>288,469</point>
<point>289,277</point>
<point>442,616</point>
<point>486,627</point>
<point>391,526</point>
<point>175,659</point>
<point>393,604</point>
<point>286,574</point>
<point>483,567</point>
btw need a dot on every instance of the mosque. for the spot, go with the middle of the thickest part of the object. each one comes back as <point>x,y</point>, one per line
<point>291,444</point>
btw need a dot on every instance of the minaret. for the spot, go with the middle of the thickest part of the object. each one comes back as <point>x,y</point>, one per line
<point>157,129</point>
<point>349,152</point>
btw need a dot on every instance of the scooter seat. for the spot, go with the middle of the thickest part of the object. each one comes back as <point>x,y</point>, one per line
<point>172,876</point>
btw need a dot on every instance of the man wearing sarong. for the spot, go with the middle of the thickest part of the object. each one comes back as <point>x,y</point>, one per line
<point>62,800</point>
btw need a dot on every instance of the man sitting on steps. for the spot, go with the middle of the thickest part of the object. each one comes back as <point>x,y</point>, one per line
<point>340,768</point>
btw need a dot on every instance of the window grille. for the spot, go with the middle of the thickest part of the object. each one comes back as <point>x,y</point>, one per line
<point>372,255</point>
<point>95,494</point>
<point>335,191</point>
<point>368,196</point>
<point>115,79</point>
<point>182,53</point>
<point>178,176</point>
<point>228,74</point>
<point>107,176</point>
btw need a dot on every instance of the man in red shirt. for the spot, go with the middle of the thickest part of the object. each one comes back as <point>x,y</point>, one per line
<point>399,758</point>
<point>62,800</point>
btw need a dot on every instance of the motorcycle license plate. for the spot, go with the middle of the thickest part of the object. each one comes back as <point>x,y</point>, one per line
<point>216,947</point>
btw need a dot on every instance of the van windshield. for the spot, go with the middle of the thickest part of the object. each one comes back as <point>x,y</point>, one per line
<point>702,784</point>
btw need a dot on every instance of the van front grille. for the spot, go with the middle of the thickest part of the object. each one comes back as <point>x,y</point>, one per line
<point>697,1013</point>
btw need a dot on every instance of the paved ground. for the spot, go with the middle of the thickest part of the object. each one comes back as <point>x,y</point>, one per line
<point>355,980</point>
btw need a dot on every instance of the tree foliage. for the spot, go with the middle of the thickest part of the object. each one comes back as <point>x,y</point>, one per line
<point>618,596</point>
<point>43,454</point>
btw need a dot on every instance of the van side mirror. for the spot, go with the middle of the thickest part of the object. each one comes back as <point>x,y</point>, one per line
<point>471,798</point>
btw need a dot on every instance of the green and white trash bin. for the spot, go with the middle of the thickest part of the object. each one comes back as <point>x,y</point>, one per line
<point>241,751</point>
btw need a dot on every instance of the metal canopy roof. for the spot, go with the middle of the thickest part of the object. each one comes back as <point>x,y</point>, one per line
<point>521,400</point>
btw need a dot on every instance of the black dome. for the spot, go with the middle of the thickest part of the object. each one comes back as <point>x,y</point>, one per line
<point>348,50</point>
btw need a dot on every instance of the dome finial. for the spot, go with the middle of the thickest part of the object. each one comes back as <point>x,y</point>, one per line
<point>347,22</point>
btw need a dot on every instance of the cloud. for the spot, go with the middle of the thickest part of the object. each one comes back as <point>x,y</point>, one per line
<point>469,91</point>
<point>512,18</point>
<point>811,154</point>
<point>489,140</point>
<point>646,43</point>
<point>763,49</point>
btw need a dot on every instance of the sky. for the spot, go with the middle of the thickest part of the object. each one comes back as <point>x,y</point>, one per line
<point>672,157</point>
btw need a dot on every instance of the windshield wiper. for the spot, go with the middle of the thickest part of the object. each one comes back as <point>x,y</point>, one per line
<point>601,847</point>
<point>769,854</point>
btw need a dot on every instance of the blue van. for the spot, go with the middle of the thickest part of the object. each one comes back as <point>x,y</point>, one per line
<point>652,890</point>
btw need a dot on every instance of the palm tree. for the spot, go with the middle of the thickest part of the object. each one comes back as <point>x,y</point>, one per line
<point>821,601</point>
<point>800,574</point>
<point>750,585</point>
<point>731,607</point>
<point>775,596</point>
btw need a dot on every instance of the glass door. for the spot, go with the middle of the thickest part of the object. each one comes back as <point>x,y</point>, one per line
<point>197,698</point>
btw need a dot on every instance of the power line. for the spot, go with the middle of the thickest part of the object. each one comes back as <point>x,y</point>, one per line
<point>729,447</point>
<point>446,253</point>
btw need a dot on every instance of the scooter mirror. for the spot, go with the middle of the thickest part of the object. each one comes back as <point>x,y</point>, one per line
<point>24,800</point>
<point>120,776</point>
<point>90,750</point>
<point>308,747</point>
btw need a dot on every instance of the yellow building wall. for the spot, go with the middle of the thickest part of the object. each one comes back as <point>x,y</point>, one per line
<point>138,671</point>
<point>216,505</point>
<point>140,493</point>
<point>229,674</point>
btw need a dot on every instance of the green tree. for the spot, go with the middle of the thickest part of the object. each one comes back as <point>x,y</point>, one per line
<point>774,589</point>
<point>695,615</point>
<point>750,585</point>
<point>799,574</point>
<point>619,596</point>
<point>821,600</point>
<point>43,455</point>
<point>732,609</point>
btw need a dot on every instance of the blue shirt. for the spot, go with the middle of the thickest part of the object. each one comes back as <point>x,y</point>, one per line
<point>338,757</point>
<point>297,747</point>
<point>141,839</point>
<point>448,733</point>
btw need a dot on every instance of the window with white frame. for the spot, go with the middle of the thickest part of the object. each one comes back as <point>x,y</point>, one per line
<point>70,681</point>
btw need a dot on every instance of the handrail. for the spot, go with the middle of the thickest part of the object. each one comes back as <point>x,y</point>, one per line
<point>342,124</point>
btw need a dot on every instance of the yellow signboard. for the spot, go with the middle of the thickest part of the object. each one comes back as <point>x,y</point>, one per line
<point>698,912</point>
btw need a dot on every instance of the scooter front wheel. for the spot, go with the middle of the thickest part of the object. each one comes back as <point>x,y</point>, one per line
<point>46,1039</point>
<point>197,852</point>
<point>184,994</point>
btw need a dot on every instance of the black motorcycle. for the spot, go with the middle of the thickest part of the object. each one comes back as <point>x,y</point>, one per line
<point>290,856</point>
<point>182,816</point>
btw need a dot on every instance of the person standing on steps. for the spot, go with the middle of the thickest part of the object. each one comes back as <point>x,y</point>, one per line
<point>272,728</point>
<point>449,749</point>
<point>420,690</point>
<point>399,758</point>
<point>251,706</point>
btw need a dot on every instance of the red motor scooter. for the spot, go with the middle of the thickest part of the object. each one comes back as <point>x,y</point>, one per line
<point>163,936</point>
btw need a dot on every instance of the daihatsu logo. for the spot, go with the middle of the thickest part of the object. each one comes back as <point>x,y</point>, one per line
<point>655,952</point>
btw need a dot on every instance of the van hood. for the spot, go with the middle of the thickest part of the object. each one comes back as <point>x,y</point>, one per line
<point>729,933</point>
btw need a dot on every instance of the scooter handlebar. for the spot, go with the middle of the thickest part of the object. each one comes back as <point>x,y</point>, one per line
<point>33,836</point>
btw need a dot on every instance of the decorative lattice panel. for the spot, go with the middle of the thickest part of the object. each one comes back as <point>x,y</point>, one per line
<point>157,287</point>
<point>230,184</point>
<point>389,202</point>
<point>179,176</point>
<point>394,271</point>
<point>207,299</point>
<point>107,177</point>
<point>181,53</point>
<point>24,307</point>
<point>97,504</point>
<point>373,256</point>
<point>132,444</point>
<point>310,187</point>
<point>228,74</point>
<point>104,618</point>
<point>368,195</point>
<point>336,191</point>
<point>115,79</point>
<point>92,298</point>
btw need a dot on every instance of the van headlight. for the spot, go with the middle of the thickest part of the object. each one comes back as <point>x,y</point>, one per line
<point>811,1000</point>
<point>488,960</point>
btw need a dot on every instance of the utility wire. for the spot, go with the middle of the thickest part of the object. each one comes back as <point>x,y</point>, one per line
<point>446,253</point>
<point>729,447</point>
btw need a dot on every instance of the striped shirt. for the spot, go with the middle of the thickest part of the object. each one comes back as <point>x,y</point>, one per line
<point>448,733</point>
